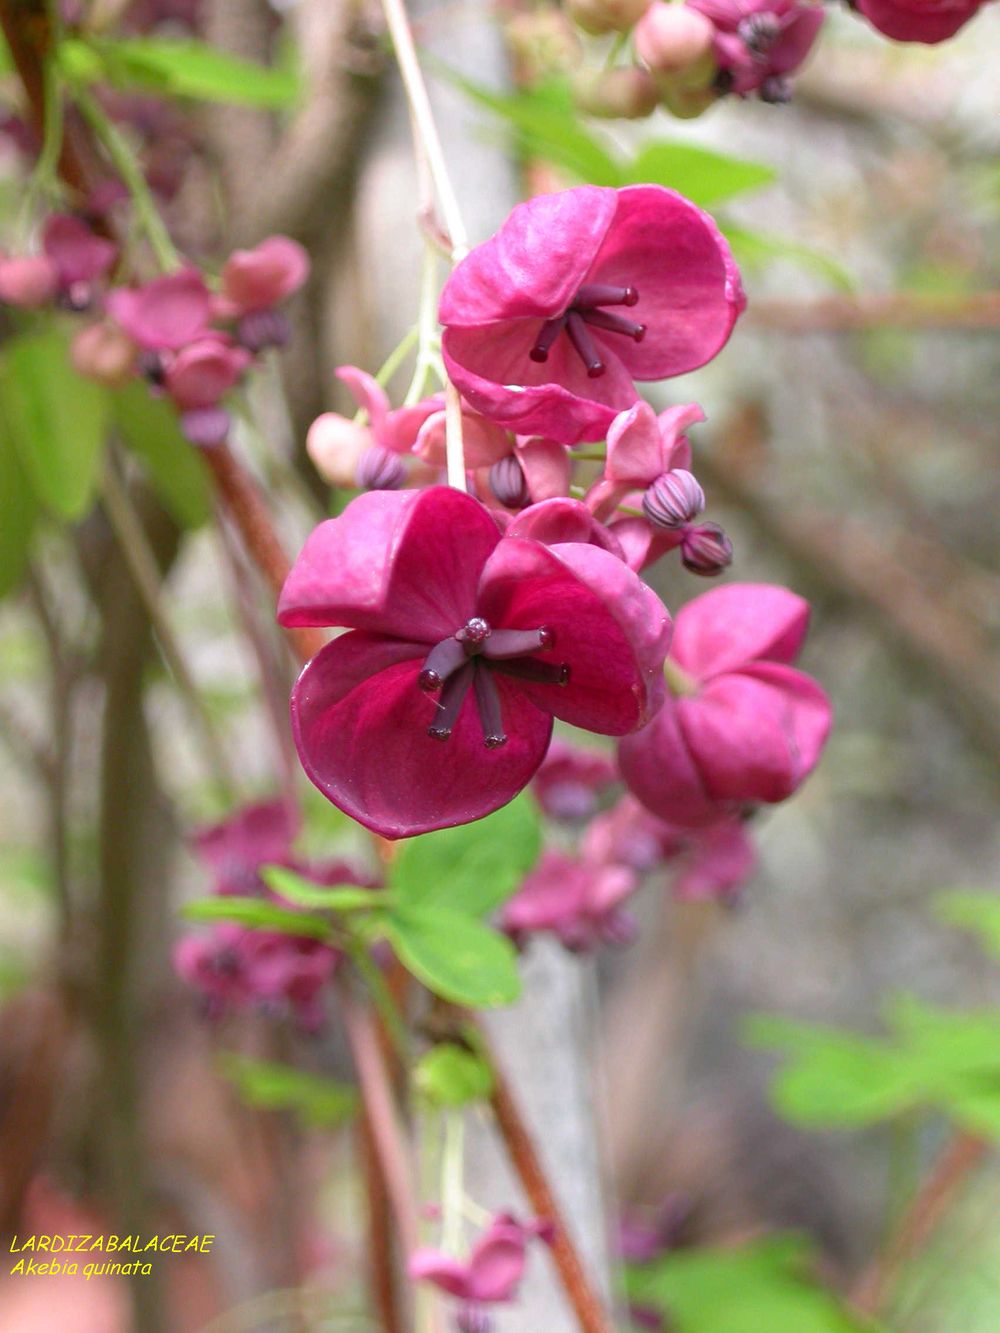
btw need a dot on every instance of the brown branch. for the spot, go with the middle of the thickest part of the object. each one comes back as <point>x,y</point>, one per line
<point>950,1173</point>
<point>586,1302</point>
<point>909,311</point>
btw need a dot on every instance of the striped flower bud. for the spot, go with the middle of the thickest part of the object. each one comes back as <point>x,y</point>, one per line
<point>675,498</point>
<point>508,483</point>
<point>380,470</point>
<point>706,550</point>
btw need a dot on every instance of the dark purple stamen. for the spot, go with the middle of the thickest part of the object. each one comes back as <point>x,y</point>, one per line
<point>529,668</point>
<point>450,702</point>
<point>469,657</point>
<point>586,308</point>
<point>488,703</point>
<point>518,642</point>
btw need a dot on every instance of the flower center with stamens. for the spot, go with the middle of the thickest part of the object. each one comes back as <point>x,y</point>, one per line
<point>470,657</point>
<point>587,308</point>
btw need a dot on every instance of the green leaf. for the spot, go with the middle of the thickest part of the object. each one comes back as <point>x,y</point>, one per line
<point>764,1287</point>
<point>756,249</point>
<point>451,1075</point>
<point>546,124</point>
<point>972,910</point>
<point>305,893</point>
<point>834,1077</point>
<point>320,1101</point>
<point>454,956</point>
<point>473,868</point>
<point>56,419</point>
<point>179,67</point>
<point>256,913</point>
<point>703,176</point>
<point>150,429</point>
<point>19,508</point>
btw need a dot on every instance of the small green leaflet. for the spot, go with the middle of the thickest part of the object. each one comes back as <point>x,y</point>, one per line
<point>471,869</point>
<point>306,893</point>
<point>450,1075</point>
<point>56,419</point>
<point>320,1101</point>
<point>763,1287</point>
<point>258,914</point>
<point>178,67</point>
<point>455,956</point>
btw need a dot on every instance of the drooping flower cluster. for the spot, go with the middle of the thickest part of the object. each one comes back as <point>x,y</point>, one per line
<point>236,968</point>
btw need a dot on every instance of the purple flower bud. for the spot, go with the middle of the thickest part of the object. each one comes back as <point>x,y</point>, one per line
<point>151,366</point>
<point>263,328</point>
<point>473,1319</point>
<point>508,483</point>
<point>759,31</point>
<point>674,498</point>
<point>380,470</point>
<point>206,426</point>
<point>706,550</point>
<point>776,89</point>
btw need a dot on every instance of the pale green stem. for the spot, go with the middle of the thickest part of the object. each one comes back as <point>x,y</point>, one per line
<point>381,996</point>
<point>141,562</point>
<point>127,166</point>
<point>617,47</point>
<point>452,1181</point>
<point>397,356</point>
<point>44,178</point>
<point>426,328</point>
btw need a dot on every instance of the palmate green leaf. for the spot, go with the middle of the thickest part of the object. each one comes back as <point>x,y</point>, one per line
<point>454,956</point>
<point>702,175</point>
<point>451,1075</point>
<point>305,893</point>
<point>764,1287</point>
<point>972,910</point>
<point>473,868</point>
<point>834,1077</point>
<point>150,429</point>
<point>257,913</point>
<point>320,1101</point>
<point>19,507</point>
<point>56,420</point>
<point>179,67</point>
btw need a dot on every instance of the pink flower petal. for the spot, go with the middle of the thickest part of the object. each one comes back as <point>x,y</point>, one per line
<point>658,768</point>
<point>546,465</point>
<point>388,564</point>
<point>756,734</point>
<point>737,623</point>
<point>927,21</point>
<point>642,544</point>
<point>483,442</point>
<point>609,628</point>
<point>168,312</point>
<point>496,1265</point>
<point>78,254</point>
<point>427,1265</point>
<point>562,520</point>
<point>258,278</point>
<point>360,724</point>
<point>534,264</point>
<point>368,394</point>
<point>689,286</point>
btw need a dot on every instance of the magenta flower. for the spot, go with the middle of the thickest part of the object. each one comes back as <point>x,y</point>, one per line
<point>642,447</point>
<point>79,255</point>
<point>759,42</point>
<point>204,371</point>
<point>579,293</point>
<point>561,520</point>
<point>167,313</point>
<point>494,1269</point>
<point>927,21</point>
<point>746,727</point>
<point>394,429</point>
<point>259,278</point>
<point>256,835</point>
<point>571,781</point>
<point>579,901</point>
<point>438,707</point>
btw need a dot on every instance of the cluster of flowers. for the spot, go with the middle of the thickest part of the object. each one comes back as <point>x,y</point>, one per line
<point>236,968</point>
<point>691,53</point>
<point>190,342</point>
<point>473,622</point>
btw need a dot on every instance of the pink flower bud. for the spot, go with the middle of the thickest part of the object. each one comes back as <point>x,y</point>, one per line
<point>627,93</point>
<point>674,39</point>
<point>335,445</point>
<point>600,16</point>
<point>203,372</point>
<point>258,278</point>
<point>673,499</point>
<point>104,353</point>
<point>706,550</point>
<point>79,255</point>
<point>28,281</point>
